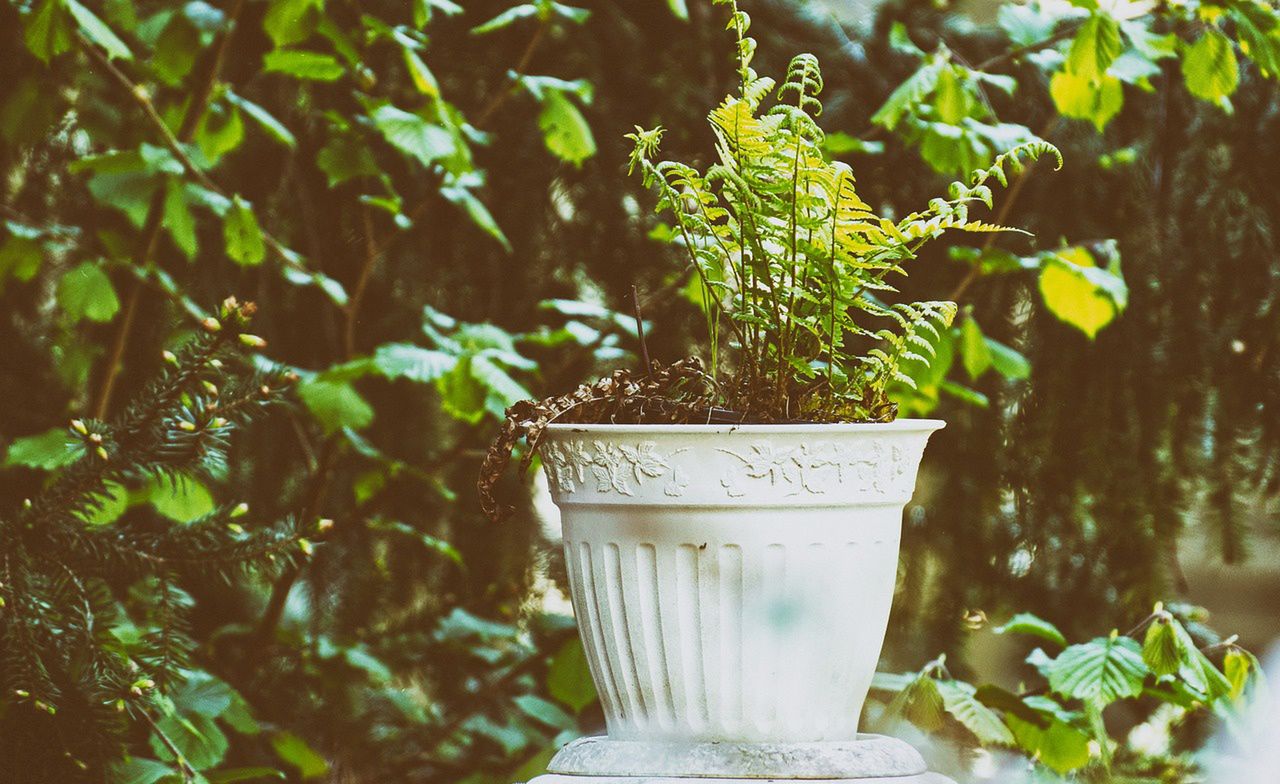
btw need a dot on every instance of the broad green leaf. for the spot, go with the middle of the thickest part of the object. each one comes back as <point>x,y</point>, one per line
<point>176,50</point>
<point>420,74</point>
<point>1084,99</point>
<point>503,390</point>
<point>291,21</point>
<point>138,770</point>
<point>1100,671</point>
<point>178,219</point>
<point>203,694</point>
<point>1095,47</point>
<point>220,131</point>
<point>1168,649</point>
<point>198,738</point>
<point>1060,747</point>
<point>21,254</point>
<point>86,293</point>
<point>295,751</point>
<point>546,712</point>
<point>506,18</point>
<point>908,95</point>
<point>1008,361</point>
<point>335,405</point>
<point>97,31</point>
<point>986,725</point>
<point>1241,669</point>
<point>1026,623</point>
<point>300,64</point>
<point>1080,293</point>
<point>565,130</point>
<point>51,449</point>
<point>181,499</point>
<point>919,702</point>
<point>1209,67</point>
<point>345,157</point>
<point>270,124</point>
<point>1162,649</point>
<point>415,363</point>
<point>110,504</point>
<point>475,209</point>
<point>242,235</point>
<point>48,30</point>
<point>974,351</point>
<point>413,135</point>
<point>1258,31</point>
<point>569,677</point>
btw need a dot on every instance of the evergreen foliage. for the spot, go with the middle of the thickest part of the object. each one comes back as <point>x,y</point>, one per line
<point>74,576</point>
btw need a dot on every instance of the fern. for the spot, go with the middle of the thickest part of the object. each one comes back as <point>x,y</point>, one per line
<point>792,262</point>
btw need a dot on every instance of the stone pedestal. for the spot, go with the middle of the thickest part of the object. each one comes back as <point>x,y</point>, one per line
<point>871,759</point>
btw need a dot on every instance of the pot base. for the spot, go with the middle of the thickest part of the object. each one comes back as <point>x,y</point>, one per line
<point>557,778</point>
<point>869,758</point>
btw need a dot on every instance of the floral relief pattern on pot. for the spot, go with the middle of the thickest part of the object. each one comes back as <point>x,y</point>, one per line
<point>817,468</point>
<point>613,466</point>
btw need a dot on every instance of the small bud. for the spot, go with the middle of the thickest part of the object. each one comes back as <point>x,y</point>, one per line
<point>252,341</point>
<point>1,602</point>
<point>235,528</point>
<point>102,452</point>
<point>119,706</point>
<point>291,377</point>
<point>78,426</point>
<point>324,524</point>
<point>26,503</point>
<point>170,357</point>
<point>216,364</point>
<point>22,694</point>
<point>241,510</point>
<point>46,707</point>
<point>190,427</point>
<point>135,691</point>
<point>209,387</point>
<point>211,324</point>
<point>306,547</point>
<point>95,438</point>
<point>264,390</point>
<point>219,422</point>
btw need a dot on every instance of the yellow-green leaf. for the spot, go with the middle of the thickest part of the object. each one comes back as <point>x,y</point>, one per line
<point>1209,67</point>
<point>1095,47</point>
<point>1084,99</point>
<point>243,237</point>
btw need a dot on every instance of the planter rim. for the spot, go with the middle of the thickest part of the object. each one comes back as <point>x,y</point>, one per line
<point>896,426</point>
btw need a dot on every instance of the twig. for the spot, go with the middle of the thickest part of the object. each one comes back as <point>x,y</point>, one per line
<point>1019,51</point>
<point>372,252</point>
<point>188,772</point>
<point>644,347</point>
<point>498,100</point>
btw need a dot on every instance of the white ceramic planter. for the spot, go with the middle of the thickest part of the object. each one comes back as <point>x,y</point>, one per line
<point>733,583</point>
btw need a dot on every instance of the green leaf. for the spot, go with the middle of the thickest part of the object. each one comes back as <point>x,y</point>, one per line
<point>415,363</point>
<point>220,131</point>
<point>291,21</point>
<point>506,18</point>
<point>985,724</point>
<point>335,405</point>
<point>1080,293</point>
<point>1168,649</point>
<point>48,450</point>
<point>198,738</point>
<point>1209,67</point>
<point>270,124</point>
<point>569,676</point>
<point>1095,47</point>
<point>301,64</point>
<point>48,30</point>
<point>974,351</point>
<point>346,157</point>
<point>179,220</point>
<point>296,752</point>
<point>181,499</point>
<point>242,235</point>
<point>503,390</point>
<point>546,712</point>
<point>1008,362</point>
<point>1026,623</point>
<point>565,130</point>
<point>908,95</point>
<point>97,31</point>
<point>413,135</point>
<point>1100,671</point>
<point>86,293</point>
<point>420,74</point>
<point>1084,99</point>
<point>138,770</point>
<point>1060,747</point>
<point>111,503</point>
<point>1162,649</point>
<point>176,50</point>
<point>475,209</point>
<point>204,694</point>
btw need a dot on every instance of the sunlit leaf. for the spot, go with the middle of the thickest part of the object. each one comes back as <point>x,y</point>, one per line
<point>85,292</point>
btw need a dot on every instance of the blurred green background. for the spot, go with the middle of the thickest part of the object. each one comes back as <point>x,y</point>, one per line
<point>429,204</point>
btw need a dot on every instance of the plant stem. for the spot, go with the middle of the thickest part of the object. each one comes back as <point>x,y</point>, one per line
<point>501,98</point>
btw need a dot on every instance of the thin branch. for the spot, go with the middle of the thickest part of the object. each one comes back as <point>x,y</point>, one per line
<point>525,58</point>
<point>1019,51</point>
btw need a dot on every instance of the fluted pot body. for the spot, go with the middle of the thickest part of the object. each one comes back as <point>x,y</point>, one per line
<point>733,583</point>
